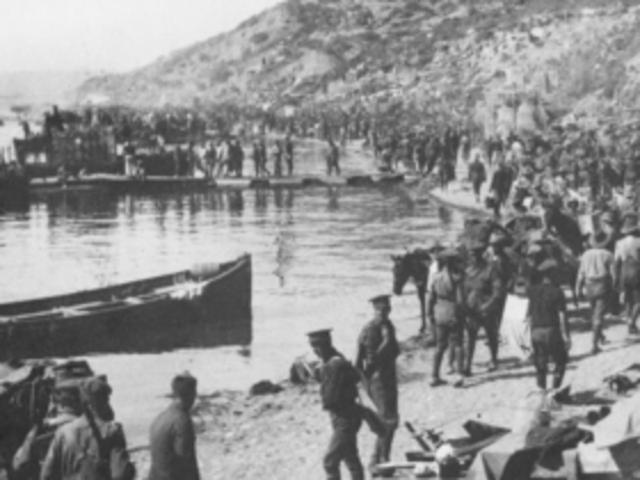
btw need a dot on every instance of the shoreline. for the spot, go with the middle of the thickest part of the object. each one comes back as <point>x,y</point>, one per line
<point>284,435</point>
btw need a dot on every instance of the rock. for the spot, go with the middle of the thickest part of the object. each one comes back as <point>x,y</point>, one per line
<point>264,387</point>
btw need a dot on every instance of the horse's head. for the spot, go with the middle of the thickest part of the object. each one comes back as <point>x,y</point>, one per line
<point>409,265</point>
<point>400,273</point>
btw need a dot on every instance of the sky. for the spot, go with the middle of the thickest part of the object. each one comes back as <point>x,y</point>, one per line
<point>109,35</point>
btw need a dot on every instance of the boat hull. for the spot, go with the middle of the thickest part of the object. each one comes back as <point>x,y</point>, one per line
<point>213,311</point>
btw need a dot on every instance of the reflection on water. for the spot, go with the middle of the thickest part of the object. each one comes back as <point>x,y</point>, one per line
<point>318,254</point>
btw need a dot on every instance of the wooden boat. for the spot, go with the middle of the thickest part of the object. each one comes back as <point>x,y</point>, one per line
<point>205,306</point>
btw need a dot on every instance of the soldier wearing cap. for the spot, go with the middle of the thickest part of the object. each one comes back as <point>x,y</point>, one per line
<point>483,296</point>
<point>173,439</point>
<point>596,275</point>
<point>627,264</point>
<point>376,359</point>
<point>77,452</point>
<point>338,392</point>
<point>549,326</point>
<point>446,298</point>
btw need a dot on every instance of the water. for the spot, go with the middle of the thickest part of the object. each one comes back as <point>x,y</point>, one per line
<point>318,255</point>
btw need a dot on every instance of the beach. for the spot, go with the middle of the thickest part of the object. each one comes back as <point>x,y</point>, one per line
<point>284,435</point>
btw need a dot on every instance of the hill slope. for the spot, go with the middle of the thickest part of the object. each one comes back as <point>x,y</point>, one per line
<point>432,56</point>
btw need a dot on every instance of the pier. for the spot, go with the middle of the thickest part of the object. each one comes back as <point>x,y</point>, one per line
<point>121,183</point>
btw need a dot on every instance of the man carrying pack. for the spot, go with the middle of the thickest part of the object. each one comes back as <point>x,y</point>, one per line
<point>376,359</point>
<point>91,447</point>
<point>338,392</point>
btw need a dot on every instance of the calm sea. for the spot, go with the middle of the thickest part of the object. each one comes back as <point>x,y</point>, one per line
<point>318,255</point>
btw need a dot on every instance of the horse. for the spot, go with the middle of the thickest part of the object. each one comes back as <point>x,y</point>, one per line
<point>413,265</point>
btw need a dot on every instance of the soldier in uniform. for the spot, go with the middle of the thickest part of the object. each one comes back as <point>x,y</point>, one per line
<point>446,296</point>
<point>173,439</point>
<point>484,295</point>
<point>338,392</point>
<point>376,359</point>
<point>93,445</point>
<point>549,326</point>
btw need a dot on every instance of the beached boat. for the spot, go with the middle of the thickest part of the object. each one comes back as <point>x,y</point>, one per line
<point>205,306</point>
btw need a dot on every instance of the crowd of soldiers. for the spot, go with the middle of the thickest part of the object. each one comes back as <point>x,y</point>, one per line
<point>572,222</point>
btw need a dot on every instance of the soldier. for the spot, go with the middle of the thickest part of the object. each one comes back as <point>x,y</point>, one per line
<point>376,359</point>
<point>173,440</point>
<point>338,392</point>
<point>445,299</point>
<point>333,158</point>
<point>483,297</point>
<point>627,261</point>
<point>477,175</point>
<point>549,325</point>
<point>93,445</point>
<point>596,274</point>
<point>288,150</point>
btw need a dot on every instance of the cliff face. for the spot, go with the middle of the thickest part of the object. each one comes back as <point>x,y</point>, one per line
<point>501,61</point>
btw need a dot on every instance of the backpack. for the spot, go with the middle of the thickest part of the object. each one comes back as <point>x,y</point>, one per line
<point>111,463</point>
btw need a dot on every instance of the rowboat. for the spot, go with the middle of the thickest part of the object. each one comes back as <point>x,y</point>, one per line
<point>207,305</point>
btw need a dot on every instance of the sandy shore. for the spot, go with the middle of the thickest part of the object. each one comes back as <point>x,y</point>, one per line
<point>283,436</point>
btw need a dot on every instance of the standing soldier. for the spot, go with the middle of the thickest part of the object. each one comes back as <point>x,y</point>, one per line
<point>596,274</point>
<point>483,297</point>
<point>288,151</point>
<point>627,260</point>
<point>277,153</point>
<point>173,439</point>
<point>446,298</point>
<point>477,175</point>
<point>549,325</point>
<point>333,158</point>
<point>376,359</point>
<point>263,156</point>
<point>256,155</point>
<point>338,392</point>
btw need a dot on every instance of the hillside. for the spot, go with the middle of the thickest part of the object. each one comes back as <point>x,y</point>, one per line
<point>502,61</point>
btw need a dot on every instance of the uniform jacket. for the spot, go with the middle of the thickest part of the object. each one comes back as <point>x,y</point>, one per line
<point>75,440</point>
<point>338,388</point>
<point>483,288</point>
<point>446,298</point>
<point>378,349</point>
<point>173,446</point>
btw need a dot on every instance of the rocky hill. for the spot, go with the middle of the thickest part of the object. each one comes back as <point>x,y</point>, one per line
<point>504,61</point>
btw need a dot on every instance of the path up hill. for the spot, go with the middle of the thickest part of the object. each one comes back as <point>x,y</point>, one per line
<point>506,62</point>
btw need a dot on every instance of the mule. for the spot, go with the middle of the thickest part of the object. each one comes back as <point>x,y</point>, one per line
<point>414,266</point>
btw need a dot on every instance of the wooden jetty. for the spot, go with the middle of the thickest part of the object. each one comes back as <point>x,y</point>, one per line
<point>150,184</point>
